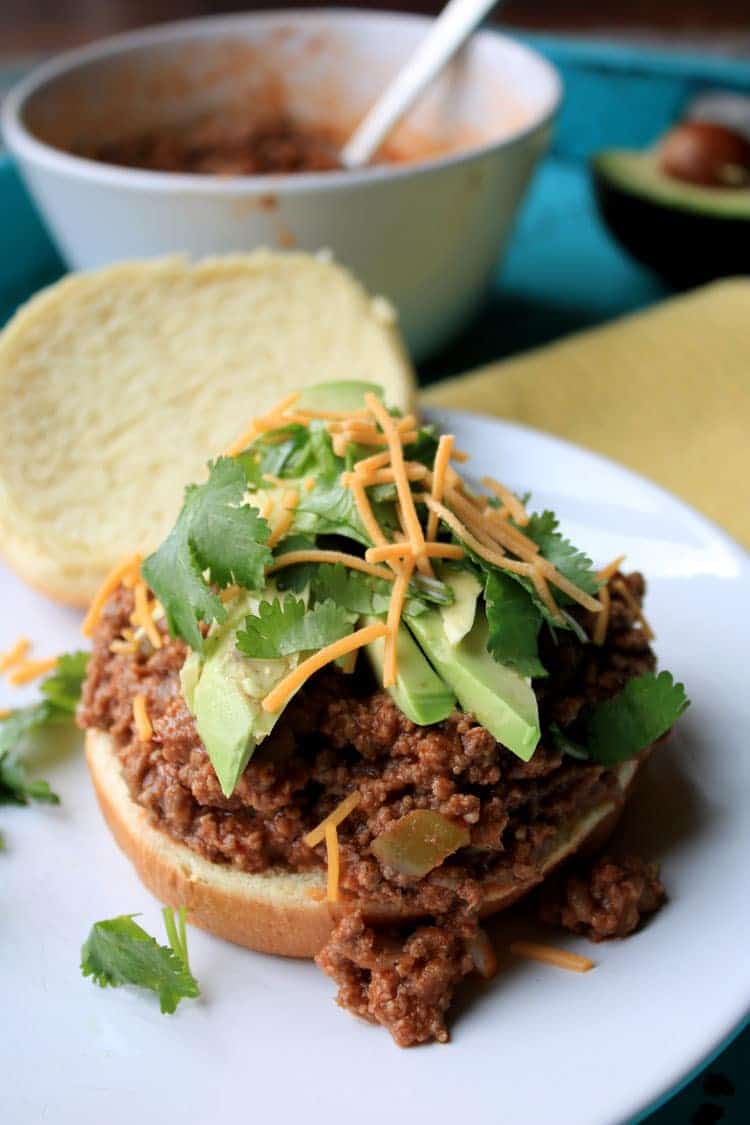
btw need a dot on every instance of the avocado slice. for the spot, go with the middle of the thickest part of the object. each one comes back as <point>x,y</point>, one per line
<point>687,232</point>
<point>418,692</point>
<point>344,394</point>
<point>458,618</point>
<point>225,690</point>
<point>499,698</point>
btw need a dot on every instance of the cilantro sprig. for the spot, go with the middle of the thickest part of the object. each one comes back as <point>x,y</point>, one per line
<point>218,539</point>
<point>118,951</point>
<point>61,691</point>
<point>514,623</point>
<point>281,628</point>
<point>619,728</point>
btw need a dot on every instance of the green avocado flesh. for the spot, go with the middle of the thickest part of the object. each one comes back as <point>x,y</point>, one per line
<point>639,174</point>
<point>224,693</point>
<point>343,395</point>
<point>499,698</point>
<point>418,692</point>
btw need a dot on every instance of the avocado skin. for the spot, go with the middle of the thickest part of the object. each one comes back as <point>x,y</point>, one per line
<point>684,245</point>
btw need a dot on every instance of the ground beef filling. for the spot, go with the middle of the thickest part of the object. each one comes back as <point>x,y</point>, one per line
<point>603,898</point>
<point>340,733</point>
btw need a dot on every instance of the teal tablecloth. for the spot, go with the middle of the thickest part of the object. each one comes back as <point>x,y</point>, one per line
<point>563,273</point>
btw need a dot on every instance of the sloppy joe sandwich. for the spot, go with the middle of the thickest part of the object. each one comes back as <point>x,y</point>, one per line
<point>355,703</point>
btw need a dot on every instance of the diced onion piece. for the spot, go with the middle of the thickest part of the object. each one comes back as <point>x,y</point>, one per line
<point>419,842</point>
<point>482,954</point>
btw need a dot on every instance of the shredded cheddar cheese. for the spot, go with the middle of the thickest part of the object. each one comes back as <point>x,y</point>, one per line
<point>509,499</point>
<point>15,654</point>
<point>611,569</point>
<point>395,609</point>
<point>335,817</point>
<point>602,620</point>
<point>270,421</point>
<point>129,568</point>
<point>491,555</point>
<point>142,722</point>
<point>5,713</point>
<point>313,555</point>
<point>377,461</point>
<point>548,955</point>
<point>332,858</point>
<point>412,470</point>
<point>544,594</point>
<point>29,670</point>
<point>442,460</point>
<point>395,438</point>
<point>279,696</point>
<point>289,503</point>
<point>403,548</point>
<point>633,605</point>
<point>143,614</point>
<point>229,594</point>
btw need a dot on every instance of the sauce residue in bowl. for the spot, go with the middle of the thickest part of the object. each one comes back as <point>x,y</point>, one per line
<point>223,147</point>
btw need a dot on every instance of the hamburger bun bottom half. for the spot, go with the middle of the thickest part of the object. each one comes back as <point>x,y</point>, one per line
<point>279,911</point>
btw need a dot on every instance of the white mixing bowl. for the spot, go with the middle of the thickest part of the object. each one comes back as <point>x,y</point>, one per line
<point>426,234</point>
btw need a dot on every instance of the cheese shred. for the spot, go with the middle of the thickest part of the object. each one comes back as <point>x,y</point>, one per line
<point>333,860</point>
<point>340,813</point>
<point>395,609</point>
<point>142,722</point>
<point>548,955</point>
<point>442,459</point>
<point>279,696</point>
<point>313,555</point>
<point>129,568</point>
<point>28,670</point>
<point>15,654</point>
<point>143,614</point>
<point>289,502</point>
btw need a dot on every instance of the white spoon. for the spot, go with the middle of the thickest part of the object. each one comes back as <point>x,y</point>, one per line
<point>449,32</point>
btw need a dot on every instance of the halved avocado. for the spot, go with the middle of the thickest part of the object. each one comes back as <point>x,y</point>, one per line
<point>687,232</point>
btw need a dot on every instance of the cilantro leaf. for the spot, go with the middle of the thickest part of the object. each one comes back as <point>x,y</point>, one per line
<point>216,533</point>
<point>62,690</point>
<point>283,628</point>
<point>644,710</point>
<point>349,589</point>
<point>330,509</point>
<point>514,623</point>
<point>571,563</point>
<point>619,728</point>
<point>118,951</point>
<point>289,452</point>
<point>63,687</point>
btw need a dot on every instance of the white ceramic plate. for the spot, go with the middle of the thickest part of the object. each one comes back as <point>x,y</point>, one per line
<point>538,1045</point>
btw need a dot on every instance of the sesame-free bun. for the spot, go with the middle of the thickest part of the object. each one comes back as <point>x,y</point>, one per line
<point>117,386</point>
<point>277,912</point>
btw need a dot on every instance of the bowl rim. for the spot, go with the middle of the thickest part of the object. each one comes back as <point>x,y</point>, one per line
<point>23,145</point>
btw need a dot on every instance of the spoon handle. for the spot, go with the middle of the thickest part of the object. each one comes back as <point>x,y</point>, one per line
<point>450,31</point>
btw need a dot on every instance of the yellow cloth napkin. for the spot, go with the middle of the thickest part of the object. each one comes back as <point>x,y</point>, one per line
<point>666,392</point>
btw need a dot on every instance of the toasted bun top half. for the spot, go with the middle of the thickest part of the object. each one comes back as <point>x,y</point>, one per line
<point>117,386</point>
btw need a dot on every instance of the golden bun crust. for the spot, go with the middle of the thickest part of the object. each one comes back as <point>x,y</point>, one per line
<point>277,911</point>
